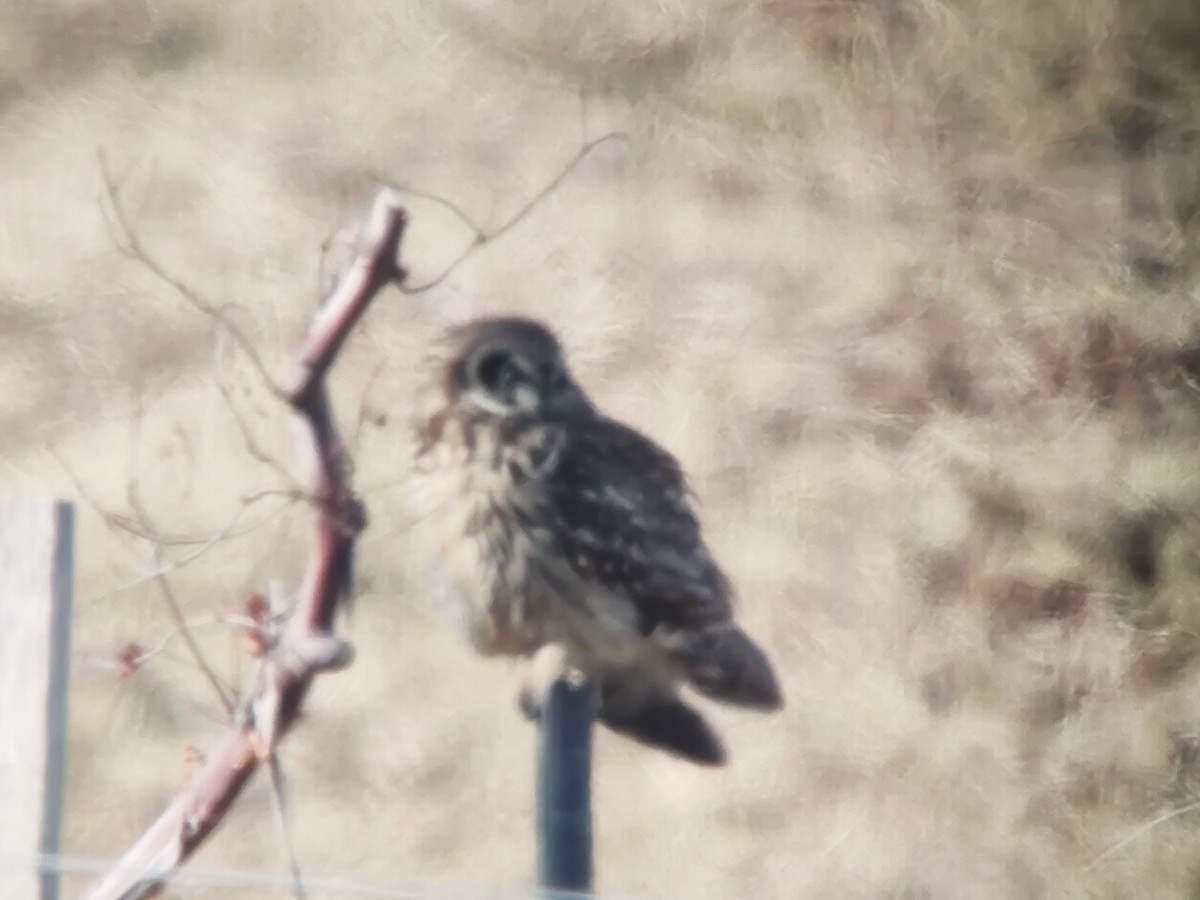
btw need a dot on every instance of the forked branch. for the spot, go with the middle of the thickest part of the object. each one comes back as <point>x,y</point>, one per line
<point>306,645</point>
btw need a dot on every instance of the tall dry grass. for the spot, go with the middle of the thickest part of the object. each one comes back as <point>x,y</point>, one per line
<point>909,287</point>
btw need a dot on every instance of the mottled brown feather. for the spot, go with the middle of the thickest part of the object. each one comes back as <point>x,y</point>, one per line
<point>549,524</point>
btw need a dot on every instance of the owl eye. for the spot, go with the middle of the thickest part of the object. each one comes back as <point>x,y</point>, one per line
<point>497,372</point>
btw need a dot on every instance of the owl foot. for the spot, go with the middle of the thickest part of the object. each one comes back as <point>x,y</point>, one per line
<point>548,665</point>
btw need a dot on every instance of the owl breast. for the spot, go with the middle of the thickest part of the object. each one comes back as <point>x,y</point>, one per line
<point>488,558</point>
<point>490,512</point>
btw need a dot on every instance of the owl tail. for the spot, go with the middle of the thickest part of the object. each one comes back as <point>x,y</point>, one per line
<point>723,663</point>
<point>635,702</point>
<point>657,718</point>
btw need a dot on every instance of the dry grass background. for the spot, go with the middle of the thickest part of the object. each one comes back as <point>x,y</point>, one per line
<point>909,286</point>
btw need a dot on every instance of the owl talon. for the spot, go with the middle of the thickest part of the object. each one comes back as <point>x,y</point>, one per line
<point>545,667</point>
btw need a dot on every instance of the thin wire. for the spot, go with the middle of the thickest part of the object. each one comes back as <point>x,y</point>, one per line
<point>1140,830</point>
<point>284,883</point>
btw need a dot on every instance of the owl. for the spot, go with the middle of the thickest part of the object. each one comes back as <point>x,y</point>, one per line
<point>557,533</point>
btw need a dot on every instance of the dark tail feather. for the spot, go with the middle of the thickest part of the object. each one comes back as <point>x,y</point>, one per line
<point>724,664</point>
<point>662,721</point>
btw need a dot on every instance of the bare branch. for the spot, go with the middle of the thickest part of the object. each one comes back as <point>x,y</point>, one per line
<point>134,500</point>
<point>201,545</point>
<point>129,243</point>
<point>481,236</point>
<point>307,645</point>
<point>175,610</point>
<point>119,522</point>
<point>133,657</point>
<point>1139,831</point>
<point>374,267</point>
<point>158,574</point>
<point>281,823</point>
<point>365,413</point>
<point>248,438</point>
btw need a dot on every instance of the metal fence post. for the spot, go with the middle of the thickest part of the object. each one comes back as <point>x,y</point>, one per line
<point>36,577</point>
<point>564,801</point>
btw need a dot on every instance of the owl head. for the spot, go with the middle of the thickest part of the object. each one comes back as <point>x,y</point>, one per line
<point>507,368</point>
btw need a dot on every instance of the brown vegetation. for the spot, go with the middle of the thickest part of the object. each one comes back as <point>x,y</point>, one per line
<point>909,287</point>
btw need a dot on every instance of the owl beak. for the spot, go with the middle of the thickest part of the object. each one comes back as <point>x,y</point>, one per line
<point>563,398</point>
<point>527,398</point>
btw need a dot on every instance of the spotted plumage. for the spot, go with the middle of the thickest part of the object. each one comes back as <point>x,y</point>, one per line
<point>553,529</point>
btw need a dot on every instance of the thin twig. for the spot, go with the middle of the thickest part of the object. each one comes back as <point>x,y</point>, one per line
<point>144,655</point>
<point>167,592</point>
<point>364,412</point>
<point>201,545</point>
<point>281,822</point>
<point>128,241</point>
<point>1141,830</point>
<point>307,644</point>
<point>165,589</point>
<point>481,236</point>
<point>248,438</point>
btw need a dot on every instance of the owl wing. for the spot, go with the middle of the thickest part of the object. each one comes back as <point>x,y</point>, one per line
<point>625,523</point>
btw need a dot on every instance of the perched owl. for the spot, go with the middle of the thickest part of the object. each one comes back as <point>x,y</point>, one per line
<point>558,531</point>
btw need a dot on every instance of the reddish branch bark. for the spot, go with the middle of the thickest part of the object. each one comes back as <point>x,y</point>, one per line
<point>307,645</point>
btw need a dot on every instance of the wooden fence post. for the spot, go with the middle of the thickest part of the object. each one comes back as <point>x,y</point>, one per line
<point>564,801</point>
<point>36,577</point>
